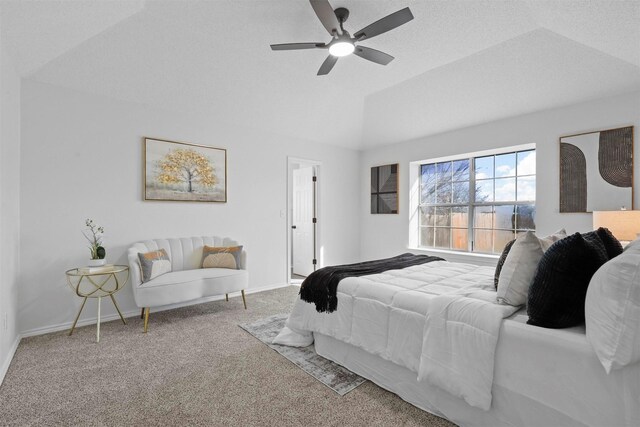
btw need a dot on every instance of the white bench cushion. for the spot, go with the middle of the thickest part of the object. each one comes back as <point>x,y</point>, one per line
<point>186,285</point>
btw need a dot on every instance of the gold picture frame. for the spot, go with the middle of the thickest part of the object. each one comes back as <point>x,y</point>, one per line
<point>181,171</point>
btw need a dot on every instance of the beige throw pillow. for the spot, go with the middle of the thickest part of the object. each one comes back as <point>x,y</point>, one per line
<point>221,257</point>
<point>520,266</point>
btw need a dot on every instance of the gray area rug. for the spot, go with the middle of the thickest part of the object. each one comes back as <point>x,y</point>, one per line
<point>336,377</point>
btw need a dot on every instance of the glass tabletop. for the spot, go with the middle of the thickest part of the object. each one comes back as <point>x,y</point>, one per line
<point>95,271</point>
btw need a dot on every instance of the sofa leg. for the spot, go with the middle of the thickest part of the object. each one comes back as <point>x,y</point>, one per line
<point>146,319</point>
<point>244,301</point>
<point>226,296</point>
<point>142,313</point>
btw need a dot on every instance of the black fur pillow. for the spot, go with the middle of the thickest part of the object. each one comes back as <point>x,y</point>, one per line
<point>501,261</point>
<point>557,294</point>
<point>611,244</point>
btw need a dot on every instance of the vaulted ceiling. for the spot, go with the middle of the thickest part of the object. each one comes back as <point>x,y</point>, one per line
<point>458,63</point>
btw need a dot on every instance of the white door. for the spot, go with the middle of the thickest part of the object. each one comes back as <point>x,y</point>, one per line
<point>302,223</point>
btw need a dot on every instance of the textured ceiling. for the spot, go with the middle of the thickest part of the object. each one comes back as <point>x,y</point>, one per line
<point>537,70</point>
<point>39,31</point>
<point>457,63</point>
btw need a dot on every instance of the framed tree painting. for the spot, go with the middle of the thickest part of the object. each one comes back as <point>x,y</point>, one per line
<point>179,171</point>
<point>384,189</point>
<point>596,171</point>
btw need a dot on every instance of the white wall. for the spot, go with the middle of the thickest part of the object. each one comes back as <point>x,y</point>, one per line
<point>9,207</point>
<point>385,235</point>
<point>82,157</point>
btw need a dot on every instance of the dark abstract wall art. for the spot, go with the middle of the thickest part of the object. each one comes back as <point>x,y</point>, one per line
<point>384,189</point>
<point>615,156</point>
<point>573,179</point>
<point>596,171</point>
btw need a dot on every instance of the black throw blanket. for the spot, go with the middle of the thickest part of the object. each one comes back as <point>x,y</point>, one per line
<point>321,286</point>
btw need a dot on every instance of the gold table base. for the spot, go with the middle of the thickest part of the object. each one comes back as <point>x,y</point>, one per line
<point>99,288</point>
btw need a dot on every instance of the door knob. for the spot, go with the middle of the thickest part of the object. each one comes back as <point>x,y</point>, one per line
<point>293,226</point>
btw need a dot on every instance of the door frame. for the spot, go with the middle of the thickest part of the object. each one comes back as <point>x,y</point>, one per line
<point>291,162</point>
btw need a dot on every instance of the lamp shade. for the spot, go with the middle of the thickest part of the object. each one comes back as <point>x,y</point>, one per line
<point>625,225</point>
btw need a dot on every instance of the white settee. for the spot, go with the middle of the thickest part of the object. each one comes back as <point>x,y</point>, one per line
<point>187,281</point>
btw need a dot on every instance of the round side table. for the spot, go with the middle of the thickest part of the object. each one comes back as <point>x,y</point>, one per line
<point>97,284</point>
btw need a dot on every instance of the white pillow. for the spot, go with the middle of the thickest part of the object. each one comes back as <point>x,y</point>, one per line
<point>633,244</point>
<point>612,310</point>
<point>520,266</point>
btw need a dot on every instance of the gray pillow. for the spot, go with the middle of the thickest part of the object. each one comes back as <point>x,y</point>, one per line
<point>519,269</point>
<point>154,264</point>
<point>520,265</point>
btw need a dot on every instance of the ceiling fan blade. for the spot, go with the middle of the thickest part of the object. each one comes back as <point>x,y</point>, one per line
<point>373,55</point>
<point>327,65</point>
<point>326,15</point>
<point>385,24</point>
<point>296,46</point>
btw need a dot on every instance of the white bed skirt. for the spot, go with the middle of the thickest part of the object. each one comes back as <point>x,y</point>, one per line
<point>509,407</point>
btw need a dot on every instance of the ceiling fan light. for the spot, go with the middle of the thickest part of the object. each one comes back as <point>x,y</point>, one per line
<point>341,49</point>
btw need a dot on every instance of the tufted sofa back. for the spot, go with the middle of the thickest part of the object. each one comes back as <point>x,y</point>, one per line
<point>185,253</point>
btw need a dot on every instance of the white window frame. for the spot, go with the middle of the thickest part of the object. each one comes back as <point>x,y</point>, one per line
<point>414,198</point>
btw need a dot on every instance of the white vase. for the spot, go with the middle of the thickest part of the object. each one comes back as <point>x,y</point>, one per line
<point>97,262</point>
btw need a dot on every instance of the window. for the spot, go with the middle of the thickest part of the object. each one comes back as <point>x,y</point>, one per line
<point>477,204</point>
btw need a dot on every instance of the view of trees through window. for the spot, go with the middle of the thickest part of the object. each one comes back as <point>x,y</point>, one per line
<point>477,204</point>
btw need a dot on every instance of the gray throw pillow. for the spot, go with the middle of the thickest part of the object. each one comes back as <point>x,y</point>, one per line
<point>154,264</point>
<point>520,265</point>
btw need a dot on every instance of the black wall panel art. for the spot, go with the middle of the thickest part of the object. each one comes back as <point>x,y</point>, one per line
<point>384,189</point>
<point>596,171</point>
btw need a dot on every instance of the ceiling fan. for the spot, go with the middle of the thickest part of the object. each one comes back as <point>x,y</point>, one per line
<point>343,44</point>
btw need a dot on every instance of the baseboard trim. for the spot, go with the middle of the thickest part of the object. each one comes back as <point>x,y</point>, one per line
<point>266,288</point>
<point>7,362</point>
<point>83,322</point>
<point>131,313</point>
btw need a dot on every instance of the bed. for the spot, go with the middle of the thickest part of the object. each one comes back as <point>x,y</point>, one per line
<point>535,376</point>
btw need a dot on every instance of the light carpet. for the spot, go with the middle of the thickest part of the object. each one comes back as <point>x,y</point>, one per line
<point>336,377</point>
<point>194,367</point>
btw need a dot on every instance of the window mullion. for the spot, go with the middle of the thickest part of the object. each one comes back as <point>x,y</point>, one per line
<point>506,202</point>
<point>472,200</point>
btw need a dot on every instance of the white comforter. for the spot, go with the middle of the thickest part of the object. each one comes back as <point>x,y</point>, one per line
<point>435,319</point>
<point>459,345</point>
